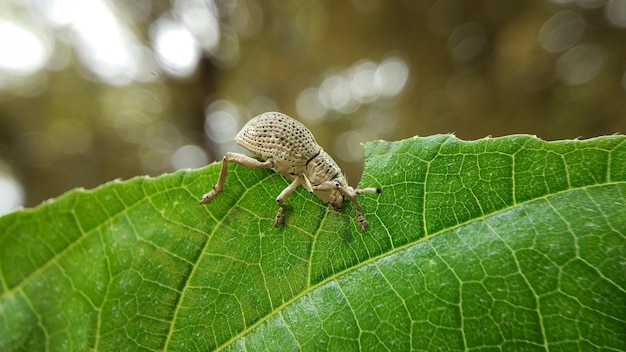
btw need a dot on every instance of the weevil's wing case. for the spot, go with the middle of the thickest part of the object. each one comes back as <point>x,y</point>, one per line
<point>276,136</point>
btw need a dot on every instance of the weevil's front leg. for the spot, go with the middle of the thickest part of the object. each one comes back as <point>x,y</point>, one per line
<point>350,194</point>
<point>279,219</point>
<point>363,224</point>
<point>239,159</point>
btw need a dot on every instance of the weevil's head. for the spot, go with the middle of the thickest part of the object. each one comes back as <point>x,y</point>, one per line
<point>344,193</point>
<point>337,197</point>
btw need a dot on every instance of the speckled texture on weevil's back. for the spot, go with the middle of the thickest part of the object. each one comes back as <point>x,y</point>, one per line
<point>276,136</point>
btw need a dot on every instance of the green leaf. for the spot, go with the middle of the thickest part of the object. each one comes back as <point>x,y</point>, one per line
<point>508,243</point>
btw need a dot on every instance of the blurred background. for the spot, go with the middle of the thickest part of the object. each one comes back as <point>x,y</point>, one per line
<point>94,90</point>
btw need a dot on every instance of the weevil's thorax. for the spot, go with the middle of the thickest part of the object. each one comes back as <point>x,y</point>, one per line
<point>323,168</point>
<point>279,138</point>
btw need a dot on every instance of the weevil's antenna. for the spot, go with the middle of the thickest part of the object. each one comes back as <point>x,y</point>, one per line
<point>368,190</point>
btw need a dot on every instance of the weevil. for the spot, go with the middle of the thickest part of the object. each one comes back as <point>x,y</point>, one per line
<point>289,148</point>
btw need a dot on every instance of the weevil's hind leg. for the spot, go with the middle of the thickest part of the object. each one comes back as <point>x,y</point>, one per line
<point>236,158</point>
<point>280,215</point>
<point>220,183</point>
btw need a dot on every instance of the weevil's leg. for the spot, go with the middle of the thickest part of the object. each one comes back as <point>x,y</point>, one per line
<point>351,194</point>
<point>306,183</point>
<point>279,219</point>
<point>236,158</point>
<point>363,224</point>
<point>348,193</point>
<point>325,186</point>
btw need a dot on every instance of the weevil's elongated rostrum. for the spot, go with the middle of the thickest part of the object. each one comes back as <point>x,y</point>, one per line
<point>289,148</point>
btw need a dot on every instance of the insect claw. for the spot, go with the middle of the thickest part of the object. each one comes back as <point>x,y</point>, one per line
<point>207,197</point>
<point>363,224</point>
<point>279,219</point>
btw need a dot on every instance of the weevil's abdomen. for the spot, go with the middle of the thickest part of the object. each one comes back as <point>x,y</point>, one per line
<point>278,137</point>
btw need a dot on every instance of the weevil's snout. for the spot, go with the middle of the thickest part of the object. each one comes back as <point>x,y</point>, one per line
<point>336,200</point>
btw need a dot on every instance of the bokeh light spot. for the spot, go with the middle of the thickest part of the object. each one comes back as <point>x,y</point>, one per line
<point>615,12</point>
<point>175,48</point>
<point>12,194</point>
<point>348,146</point>
<point>309,106</point>
<point>466,42</point>
<point>363,82</point>
<point>104,43</point>
<point>222,124</point>
<point>562,31</point>
<point>189,157</point>
<point>392,75</point>
<point>580,64</point>
<point>22,51</point>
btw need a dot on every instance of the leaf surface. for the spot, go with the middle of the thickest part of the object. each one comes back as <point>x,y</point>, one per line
<point>504,243</point>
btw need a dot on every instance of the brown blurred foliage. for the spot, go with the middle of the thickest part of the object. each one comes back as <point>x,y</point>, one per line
<point>146,87</point>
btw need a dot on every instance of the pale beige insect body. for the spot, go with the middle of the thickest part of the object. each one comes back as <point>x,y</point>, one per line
<point>289,148</point>
<point>281,139</point>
